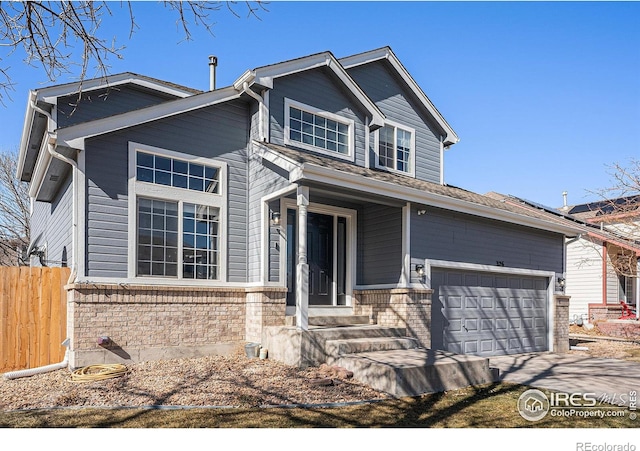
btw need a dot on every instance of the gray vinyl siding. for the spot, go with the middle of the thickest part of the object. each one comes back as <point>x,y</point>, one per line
<point>397,105</point>
<point>219,132</point>
<point>379,245</point>
<point>51,224</point>
<point>319,89</point>
<point>105,102</point>
<point>265,179</point>
<point>458,237</point>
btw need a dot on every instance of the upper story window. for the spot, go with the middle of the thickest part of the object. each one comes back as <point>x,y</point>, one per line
<point>177,173</point>
<point>317,130</point>
<point>395,148</point>
<point>176,210</point>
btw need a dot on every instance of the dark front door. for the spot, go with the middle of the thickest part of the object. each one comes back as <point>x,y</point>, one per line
<point>320,250</point>
<point>320,258</point>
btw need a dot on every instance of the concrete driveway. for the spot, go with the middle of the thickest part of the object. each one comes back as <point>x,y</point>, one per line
<point>571,373</point>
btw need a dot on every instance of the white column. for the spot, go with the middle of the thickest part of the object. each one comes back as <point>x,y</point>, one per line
<point>302,268</point>
<point>405,274</point>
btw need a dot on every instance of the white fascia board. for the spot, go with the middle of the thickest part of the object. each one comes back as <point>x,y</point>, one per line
<point>40,169</point>
<point>29,116</point>
<point>324,175</point>
<point>75,135</point>
<point>50,95</point>
<point>265,75</point>
<point>386,53</point>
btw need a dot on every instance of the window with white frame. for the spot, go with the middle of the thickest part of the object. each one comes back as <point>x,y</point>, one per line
<point>317,130</point>
<point>177,201</point>
<point>395,148</point>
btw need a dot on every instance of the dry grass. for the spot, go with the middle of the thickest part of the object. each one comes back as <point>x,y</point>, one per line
<point>488,406</point>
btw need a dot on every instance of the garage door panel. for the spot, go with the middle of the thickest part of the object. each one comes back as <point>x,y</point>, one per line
<point>486,345</point>
<point>471,347</point>
<point>487,324</point>
<point>455,325</point>
<point>501,315</point>
<point>487,302</point>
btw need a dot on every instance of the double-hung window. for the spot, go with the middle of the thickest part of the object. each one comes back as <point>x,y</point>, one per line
<point>395,148</point>
<point>319,131</point>
<point>176,205</point>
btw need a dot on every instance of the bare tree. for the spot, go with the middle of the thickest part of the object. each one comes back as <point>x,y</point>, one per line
<point>619,213</point>
<point>14,211</point>
<point>48,32</point>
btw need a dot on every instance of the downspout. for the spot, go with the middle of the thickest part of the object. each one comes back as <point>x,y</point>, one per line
<point>260,100</point>
<point>51,142</point>
<point>39,370</point>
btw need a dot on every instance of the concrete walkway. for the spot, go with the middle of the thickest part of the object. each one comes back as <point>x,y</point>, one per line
<point>570,373</point>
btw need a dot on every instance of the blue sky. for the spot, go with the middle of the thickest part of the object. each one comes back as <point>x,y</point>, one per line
<point>544,95</point>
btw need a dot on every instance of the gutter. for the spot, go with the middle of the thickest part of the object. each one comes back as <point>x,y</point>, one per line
<point>51,144</point>
<point>320,174</point>
<point>261,107</point>
<point>26,131</point>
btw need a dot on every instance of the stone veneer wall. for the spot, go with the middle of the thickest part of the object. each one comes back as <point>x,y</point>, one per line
<point>145,322</point>
<point>561,324</point>
<point>398,307</point>
<point>265,307</point>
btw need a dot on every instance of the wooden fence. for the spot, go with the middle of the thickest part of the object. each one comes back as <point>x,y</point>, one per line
<point>33,316</point>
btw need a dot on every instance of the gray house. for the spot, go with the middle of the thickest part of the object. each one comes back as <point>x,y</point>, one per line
<point>309,192</point>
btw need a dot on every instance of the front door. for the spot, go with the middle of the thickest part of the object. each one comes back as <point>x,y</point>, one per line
<point>327,275</point>
<point>320,258</point>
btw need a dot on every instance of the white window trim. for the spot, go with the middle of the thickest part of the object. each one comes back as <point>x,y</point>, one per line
<point>412,155</point>
<point>288,103</point>
<point>180,195</point>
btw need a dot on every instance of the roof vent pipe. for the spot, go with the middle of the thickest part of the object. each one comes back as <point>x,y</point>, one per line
<point>213,63</point>
<point>564,200</point>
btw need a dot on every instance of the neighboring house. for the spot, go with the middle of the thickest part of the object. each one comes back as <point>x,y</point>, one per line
<point>603,258</point>
<point>194,221</point>
<point>602,266</point>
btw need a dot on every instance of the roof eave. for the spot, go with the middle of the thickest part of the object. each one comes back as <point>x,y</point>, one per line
<point>450,137</point>
<point>311,172</point>
<point>26,132</point>
<point>264,76</point>
<point>75,135</point>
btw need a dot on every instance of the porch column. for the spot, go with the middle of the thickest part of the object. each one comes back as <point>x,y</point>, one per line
<point>302,268</point>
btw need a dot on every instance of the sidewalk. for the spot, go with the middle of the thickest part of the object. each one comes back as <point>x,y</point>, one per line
<point>570,373</point>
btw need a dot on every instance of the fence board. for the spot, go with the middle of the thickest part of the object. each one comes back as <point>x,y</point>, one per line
<point>33,316</point>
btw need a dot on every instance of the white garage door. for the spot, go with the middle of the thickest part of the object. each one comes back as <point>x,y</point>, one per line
<point>489,314</point>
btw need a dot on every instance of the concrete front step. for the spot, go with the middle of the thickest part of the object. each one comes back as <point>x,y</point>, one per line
<point>336,348</point>
<point>412,372</point>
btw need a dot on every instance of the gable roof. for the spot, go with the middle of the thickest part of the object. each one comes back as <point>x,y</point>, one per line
<point>303,166</point>
<point>50,93</point>
<point>42,99</point>
<point>385,53</point>
<point>264,76</point>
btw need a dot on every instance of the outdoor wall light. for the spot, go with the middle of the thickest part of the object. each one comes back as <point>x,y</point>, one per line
<point>275,218</point>
<point>420,270</point>
<point>561,281</point>
<point>422,212</point>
